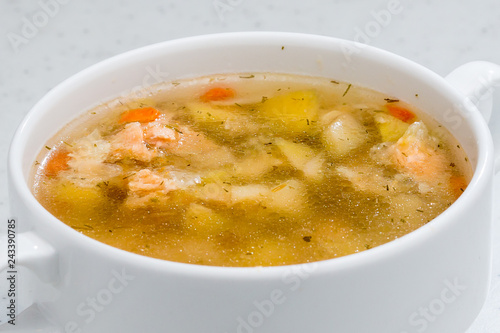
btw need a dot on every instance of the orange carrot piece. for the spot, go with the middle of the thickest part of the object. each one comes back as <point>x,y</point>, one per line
<point>217,94</point>
<point>57,162</point>
<point>401,113</point>
<point>142,115</point>
<point>458,184</point>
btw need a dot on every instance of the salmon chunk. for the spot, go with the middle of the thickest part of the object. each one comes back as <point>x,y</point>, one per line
<point>145,187</point>
<point>145,181</point>
<point>160,133</point>
<point>417,155</point>
<point>130,143</point>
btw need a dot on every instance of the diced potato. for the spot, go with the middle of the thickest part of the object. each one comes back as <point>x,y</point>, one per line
<point>297,154</point>
<point>314,168</point>
<point>203,220</point>
<point>207,113</point>
<point>228,118</point>
<point>289,197</point>
<point>79,195</point>
<point>295,112</point>
<point>343,133</point>
<point>81,199</point>
<point>214,192</point>
<point>302,158</point>
<point>390,128</point>
<point>249,193</point>
<point>255,166</point>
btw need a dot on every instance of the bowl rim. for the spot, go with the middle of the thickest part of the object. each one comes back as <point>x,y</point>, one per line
<point>484,164</point>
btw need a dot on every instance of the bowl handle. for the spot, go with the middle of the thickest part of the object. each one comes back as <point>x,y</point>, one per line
<point>476,81</point>
<point>29,270</point>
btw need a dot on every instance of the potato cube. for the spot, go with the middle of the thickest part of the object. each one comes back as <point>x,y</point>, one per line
<point>343,133</point>
<point>249,193</point>
<point>82,199</point>
<point>303,158</point>
<point>207,113</point>
<point>203,220</point>
<point>289,197</point>
<point>294,112</point>
<point>390,128</point>
<point>296,153</point>
<point>255,166</point>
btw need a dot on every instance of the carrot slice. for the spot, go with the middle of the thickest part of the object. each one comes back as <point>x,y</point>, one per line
<point>57,162</point>
<point>401,113</point>
<point>143,115</point>
<point>217,94</point>
<point>458,184</point>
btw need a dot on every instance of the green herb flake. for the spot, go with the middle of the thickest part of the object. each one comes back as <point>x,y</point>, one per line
<point>175,128</point>
<point>279,187</point>
<point>128,176</point>
<point>348,87</point>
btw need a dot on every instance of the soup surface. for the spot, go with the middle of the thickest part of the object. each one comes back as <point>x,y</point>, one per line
<point>250,170</point>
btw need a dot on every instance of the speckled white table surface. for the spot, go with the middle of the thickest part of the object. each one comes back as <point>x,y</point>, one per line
<point>43,42</point>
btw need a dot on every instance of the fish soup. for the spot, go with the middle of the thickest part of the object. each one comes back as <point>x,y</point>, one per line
<point>253,169</point>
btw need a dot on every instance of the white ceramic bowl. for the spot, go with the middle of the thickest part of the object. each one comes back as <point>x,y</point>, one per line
<point>434,279</point>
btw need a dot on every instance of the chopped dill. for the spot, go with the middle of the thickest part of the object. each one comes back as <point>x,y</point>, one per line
<point>345,92</point>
